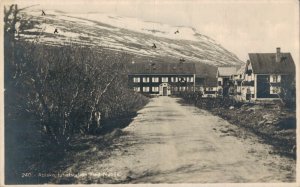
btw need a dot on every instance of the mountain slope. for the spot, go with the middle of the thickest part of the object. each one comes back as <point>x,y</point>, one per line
<point>127,34</point>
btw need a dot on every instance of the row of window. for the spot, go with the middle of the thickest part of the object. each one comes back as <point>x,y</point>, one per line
<point>155,89</point>
<point>145,89</point>
<point>164,79</point>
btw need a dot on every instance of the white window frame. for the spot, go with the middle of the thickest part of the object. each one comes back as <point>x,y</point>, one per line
<point>155,89</point>
<point>272,88</point>
<point>137,89</point>
<point>136,79</point>
<point>146,89</point>
<point>182,88</point>
<point>182,79</point>
<point>155,79</point>
<point>164,79</point>
<point>276,80</point>
<point>191,79</point>
<point>146,79</point>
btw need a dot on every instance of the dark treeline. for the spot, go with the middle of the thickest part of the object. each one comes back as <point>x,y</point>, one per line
<point>68,89</point>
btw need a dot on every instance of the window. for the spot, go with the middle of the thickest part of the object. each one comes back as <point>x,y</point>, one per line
<point>189,79</point>
<point>174,79</point>
<point>136,79</point>
<point>145,79</point>
<point>136,89</point>
<point>145,89</point>
<point>182,88</point>
<point>154,89</point>
<point>209,89</point>
<point>220,83</point>
<point>181,79</point>
<point>192,79</point>
<point>164,79</point>
<point>155,79</point>
<point>274,90</point>
<point>275,78</point>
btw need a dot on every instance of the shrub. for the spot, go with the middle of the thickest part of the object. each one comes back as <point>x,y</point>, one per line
<point>69,88</point>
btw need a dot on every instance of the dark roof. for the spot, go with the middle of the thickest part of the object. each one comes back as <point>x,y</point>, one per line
<point>205,70</point>
<point>265,63</point>
<point>211,82</point>
<point>162,68</point>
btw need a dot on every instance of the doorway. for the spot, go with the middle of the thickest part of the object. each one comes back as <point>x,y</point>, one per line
<point>165,91</point>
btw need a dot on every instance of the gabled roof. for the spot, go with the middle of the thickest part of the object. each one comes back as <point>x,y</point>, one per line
<point>265,63</point>
<point>162,68</point>
<point>226,71</point>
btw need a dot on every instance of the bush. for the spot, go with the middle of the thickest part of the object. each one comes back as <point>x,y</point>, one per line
<point>69,89</point>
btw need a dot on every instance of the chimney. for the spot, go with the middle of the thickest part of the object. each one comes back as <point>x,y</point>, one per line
<point>278,55</point>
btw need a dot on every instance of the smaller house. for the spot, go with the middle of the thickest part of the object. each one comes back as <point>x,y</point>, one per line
<point>268,76</point>
<point>237,80</point>
<point>210,87</point>
<point>199,83</point>
<point>224,75</point>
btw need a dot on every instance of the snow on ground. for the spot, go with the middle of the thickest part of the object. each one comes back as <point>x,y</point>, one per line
<point>134,24</point>
<point>129,34</point>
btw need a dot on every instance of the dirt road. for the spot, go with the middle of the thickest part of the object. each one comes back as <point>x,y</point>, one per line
<point>173,143</point>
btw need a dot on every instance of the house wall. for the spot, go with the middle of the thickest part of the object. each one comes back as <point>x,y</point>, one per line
<point>265,82</point>
<point>263,87</point>
<point>210,91</point>
<point>224,83</point>
<point>187,83</point>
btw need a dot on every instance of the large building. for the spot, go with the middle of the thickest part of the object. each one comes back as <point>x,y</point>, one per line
<point>161,78</point>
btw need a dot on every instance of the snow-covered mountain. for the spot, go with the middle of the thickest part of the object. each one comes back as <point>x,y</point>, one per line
<point>126,34</point>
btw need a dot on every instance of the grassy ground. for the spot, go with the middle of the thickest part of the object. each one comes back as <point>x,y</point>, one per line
<point>273,123</point>
<point>30,160</point>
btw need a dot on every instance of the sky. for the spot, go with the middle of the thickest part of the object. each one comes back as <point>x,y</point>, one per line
<point>241,26</point>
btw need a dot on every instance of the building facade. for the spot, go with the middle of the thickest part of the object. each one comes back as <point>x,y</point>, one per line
<point>161,78</point>
<point>269,75</point>
<point>224,75</point>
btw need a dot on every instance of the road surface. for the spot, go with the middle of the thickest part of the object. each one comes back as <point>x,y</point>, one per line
<point>169,142</point>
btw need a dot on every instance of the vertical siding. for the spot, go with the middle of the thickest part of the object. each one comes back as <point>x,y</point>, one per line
<point>263,87</point>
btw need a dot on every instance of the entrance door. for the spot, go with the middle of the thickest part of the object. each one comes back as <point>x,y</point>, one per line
<point>165,91</point>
